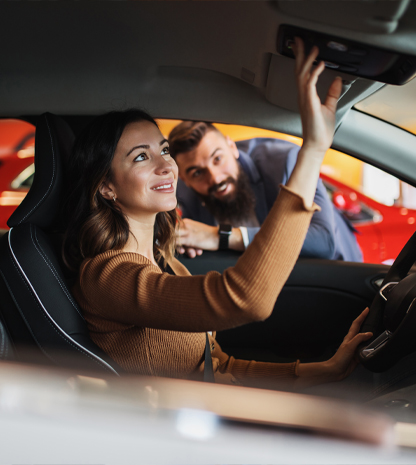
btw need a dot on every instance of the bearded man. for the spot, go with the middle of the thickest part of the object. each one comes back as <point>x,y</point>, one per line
<point>226,190</point>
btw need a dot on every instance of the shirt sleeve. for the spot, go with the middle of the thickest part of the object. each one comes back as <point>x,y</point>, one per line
<point>245,236</point>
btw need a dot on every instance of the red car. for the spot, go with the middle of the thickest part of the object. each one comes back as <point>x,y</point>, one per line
<point>382,230</point>
<point>17,141</point>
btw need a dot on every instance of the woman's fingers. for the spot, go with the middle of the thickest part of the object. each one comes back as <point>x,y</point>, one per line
<point>356,325</point>
<point>334,92</point>
<point>358,339</point>
<point>299,52</point>
<point>306,65</point>
<point>315,73</point>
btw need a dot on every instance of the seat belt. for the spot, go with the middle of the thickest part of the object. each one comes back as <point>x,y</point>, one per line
<point>208,369</point>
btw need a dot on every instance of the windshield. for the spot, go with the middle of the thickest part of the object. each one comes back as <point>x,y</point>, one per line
<point>394,104</point>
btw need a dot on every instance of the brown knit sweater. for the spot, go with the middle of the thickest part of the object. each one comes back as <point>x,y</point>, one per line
<point>152,323</point>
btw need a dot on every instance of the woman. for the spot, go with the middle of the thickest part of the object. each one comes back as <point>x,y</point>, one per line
<point>142,306</point>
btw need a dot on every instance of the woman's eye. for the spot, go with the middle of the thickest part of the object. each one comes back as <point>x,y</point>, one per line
<point>217,159</point>
<point>141,157</point>
<point>165,151</point>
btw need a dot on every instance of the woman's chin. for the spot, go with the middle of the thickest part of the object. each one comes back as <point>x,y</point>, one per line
<point>168,206</point>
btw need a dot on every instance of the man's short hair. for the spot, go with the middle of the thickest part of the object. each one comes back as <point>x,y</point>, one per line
<point>187,135</point>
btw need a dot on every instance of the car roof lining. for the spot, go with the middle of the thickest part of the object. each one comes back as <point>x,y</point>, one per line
<point>95,56</point>
<point>206,60</point>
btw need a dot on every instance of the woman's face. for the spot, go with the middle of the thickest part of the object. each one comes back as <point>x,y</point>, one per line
<point>144,175</point>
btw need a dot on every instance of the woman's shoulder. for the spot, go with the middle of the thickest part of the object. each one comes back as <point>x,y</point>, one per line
<point>113,259</point>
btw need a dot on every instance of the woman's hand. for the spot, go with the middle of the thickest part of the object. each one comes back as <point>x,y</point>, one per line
<point>341,364</point>
<point>318,120</point>
<point>344,361</point>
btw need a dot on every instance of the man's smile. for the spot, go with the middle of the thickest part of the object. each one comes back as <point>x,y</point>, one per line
<point>223,188</point>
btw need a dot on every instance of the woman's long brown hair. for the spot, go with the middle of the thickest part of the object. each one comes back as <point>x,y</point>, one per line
<point>95,224</point>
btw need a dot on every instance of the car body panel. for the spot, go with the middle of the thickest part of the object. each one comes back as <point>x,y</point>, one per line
<point>385,229</point>
<point>17,140</point>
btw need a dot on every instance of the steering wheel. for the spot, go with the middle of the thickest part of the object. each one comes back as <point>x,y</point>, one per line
<point>392,315</point>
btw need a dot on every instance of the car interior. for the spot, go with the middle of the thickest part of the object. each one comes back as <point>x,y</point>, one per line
<point>227,62</point>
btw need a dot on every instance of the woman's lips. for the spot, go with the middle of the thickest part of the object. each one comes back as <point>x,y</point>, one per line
<point>164,186</point>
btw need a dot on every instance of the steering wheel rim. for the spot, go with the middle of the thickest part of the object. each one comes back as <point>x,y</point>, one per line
<point>392,315</point>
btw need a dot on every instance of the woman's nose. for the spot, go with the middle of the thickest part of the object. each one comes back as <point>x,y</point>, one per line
<point>164,167</point>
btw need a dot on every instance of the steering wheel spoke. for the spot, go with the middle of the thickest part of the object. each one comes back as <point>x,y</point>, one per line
<point>386,289</point>
<point>392,315</point>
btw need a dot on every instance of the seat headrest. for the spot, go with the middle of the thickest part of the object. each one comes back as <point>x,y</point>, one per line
<point>53,144</point>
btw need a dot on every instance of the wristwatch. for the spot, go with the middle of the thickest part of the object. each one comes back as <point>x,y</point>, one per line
<point>224,231</point>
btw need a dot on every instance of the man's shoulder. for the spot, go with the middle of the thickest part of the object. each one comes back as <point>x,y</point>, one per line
<point>274,159</point>
<point>259,144</point>
<point>268,150</point>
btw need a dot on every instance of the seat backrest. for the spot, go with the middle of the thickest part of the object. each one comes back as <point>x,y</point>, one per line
<point>37,308</point>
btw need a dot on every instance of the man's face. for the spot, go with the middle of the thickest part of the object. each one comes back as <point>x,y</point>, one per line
<point>212,167</point>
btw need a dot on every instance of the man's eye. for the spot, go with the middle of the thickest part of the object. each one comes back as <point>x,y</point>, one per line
<point>196,173</point>
<point>141,157</point>
<point>165,151</point>
<point>217,159</point>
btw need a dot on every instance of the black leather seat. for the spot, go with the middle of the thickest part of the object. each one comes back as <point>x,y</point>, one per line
<point>39,313</point>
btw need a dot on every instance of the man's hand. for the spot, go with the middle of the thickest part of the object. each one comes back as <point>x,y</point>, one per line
<point>192,237</point>
<point>192,252</point>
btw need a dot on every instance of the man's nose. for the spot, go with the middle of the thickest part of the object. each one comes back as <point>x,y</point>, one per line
<point>215,176</point>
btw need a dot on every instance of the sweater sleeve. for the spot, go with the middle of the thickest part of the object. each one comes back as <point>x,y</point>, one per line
<point>128,288</point>
<point>255,374</point>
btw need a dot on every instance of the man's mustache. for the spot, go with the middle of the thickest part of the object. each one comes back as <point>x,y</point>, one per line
<point>215,187</point>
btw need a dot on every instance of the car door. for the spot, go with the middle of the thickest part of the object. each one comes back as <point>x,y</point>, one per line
<point>312,313</point>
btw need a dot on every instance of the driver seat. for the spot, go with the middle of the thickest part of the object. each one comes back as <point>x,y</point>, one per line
<point>41,317</point>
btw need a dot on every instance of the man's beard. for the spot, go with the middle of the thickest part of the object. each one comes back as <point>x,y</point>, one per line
<point>236,208</point>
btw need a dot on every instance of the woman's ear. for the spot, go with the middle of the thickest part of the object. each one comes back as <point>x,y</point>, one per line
<point>107,191</point>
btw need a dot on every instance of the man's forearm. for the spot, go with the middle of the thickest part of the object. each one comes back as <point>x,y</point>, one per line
<point>199,235</point>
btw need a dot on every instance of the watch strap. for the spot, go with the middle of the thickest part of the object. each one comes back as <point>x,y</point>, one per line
<point>224,231</point>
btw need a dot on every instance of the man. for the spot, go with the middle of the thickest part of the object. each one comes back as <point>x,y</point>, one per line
<point>234,185</point>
